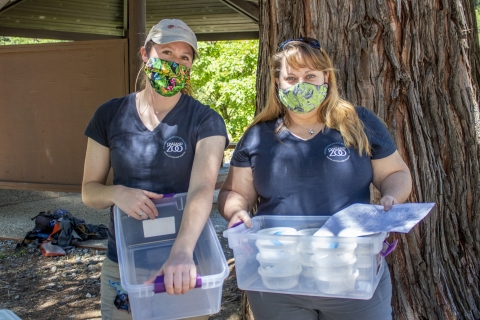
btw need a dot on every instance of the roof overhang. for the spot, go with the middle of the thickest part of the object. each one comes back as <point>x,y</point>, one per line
<point>107,19</point>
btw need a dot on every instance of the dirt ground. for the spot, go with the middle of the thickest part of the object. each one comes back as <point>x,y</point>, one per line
<point>44,288</point>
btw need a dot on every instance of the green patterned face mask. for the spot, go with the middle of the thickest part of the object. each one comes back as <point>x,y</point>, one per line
<point>303,97</point>
<point>166,77</point>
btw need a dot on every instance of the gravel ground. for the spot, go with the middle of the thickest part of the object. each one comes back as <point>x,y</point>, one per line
<point>35,287</point>
<point>44,288</point>
<point>68,287</point>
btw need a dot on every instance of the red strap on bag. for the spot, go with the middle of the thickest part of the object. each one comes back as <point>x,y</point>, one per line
<point>50,250</point>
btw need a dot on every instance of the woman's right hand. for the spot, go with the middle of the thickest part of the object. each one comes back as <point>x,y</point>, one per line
<point>136,203</point>
<point>237,196</point>
<point>240,215</point>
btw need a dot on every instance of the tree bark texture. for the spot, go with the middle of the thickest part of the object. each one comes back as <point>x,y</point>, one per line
<point>416,65</point>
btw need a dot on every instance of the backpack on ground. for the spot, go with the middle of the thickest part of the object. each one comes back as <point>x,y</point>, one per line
<point>56,230</point>
<point>44,223</point>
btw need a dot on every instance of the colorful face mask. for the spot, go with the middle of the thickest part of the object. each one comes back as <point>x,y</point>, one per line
<point>166,77</point>
<point>303,97</point>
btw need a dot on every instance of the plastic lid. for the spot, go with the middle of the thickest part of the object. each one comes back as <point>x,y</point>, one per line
<point>308,265</point>
<point>276,244</point>
<point>337,246</point>
<point>333,261</point>
<point>278,231</point>
<point>297,271</point>
<point>284,257</point>
<point>307,232</point>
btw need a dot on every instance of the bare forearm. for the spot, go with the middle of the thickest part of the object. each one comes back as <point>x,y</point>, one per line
<point>229,202</point>
<point>195,215</point>
<point>397,185</point>
<point>98,196</point>
<point>208,156</point>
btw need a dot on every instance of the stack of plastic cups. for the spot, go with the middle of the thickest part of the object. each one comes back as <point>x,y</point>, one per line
<point>366,253</point>
<point>306,252</point>
<point>334,266</point>
<point>279,260</point>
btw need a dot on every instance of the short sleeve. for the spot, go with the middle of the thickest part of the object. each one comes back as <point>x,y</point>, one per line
<point>97,128</point>
<point>242,156</point>
<point>381,143</point>
<point>213,125</point>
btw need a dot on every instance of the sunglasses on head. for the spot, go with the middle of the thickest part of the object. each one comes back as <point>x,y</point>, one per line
<point>313,43</point>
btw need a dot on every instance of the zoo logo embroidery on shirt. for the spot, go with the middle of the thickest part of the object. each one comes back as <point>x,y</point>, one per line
<point>174,147</point>
<point>337,152</point>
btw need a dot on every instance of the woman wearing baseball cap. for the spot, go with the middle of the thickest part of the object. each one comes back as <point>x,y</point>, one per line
<point>158,140</point>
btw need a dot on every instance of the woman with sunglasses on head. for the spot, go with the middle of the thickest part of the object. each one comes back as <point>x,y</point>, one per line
<point>309,152</point>
<point>157,141</point>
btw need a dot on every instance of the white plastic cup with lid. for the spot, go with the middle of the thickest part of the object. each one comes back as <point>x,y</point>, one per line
<point>284,264</point>
<point>340,285</point>
<point>305,245</point>
<point>280,282</point>
<point>333,248</point>
<point>276,247</point>
<point>324,267</point>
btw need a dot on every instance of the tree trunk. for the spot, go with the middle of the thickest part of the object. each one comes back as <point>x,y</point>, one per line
<point>416,64</point>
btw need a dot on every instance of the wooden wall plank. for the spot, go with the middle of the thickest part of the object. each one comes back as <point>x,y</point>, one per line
<point>46,105</point>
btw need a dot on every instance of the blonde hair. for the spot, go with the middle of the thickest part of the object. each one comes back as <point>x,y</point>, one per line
<point>142,77</point>
<point>335,112</point>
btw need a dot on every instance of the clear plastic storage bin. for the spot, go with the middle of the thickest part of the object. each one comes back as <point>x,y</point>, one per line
<point>6,314</point>
<point>144,245</point>
<point>328,266</point>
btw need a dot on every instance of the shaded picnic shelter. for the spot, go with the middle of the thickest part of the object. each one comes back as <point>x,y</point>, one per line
<point>48,92</point>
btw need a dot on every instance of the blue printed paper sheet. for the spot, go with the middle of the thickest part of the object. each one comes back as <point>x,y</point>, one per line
<point>365,219</point>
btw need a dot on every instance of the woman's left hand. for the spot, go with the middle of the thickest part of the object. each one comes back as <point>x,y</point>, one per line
<point>180,273</point>
<point>387,202</point>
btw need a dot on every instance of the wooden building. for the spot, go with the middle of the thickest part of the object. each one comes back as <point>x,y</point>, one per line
<point>48,92</point>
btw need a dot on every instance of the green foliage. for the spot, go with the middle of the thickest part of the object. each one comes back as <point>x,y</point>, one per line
<point>17,41</point>
<point>224,78</point>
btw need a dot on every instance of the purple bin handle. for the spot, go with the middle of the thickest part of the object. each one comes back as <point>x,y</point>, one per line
<point>159,284</point>
<point>168,195</point>
<point>388,248</point>
<point>236,224</point>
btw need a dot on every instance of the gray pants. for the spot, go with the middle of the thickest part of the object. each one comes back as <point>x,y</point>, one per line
<point>111,271</point>
<point>275,306</point>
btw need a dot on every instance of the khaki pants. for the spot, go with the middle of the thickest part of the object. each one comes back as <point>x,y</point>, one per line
<point>110,271</point>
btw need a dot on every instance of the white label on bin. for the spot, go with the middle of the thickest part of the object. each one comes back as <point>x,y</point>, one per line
<point>158,227</point>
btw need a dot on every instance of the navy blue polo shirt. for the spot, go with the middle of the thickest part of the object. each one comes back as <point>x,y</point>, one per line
<point>160,160</point>
<point>319,176</point>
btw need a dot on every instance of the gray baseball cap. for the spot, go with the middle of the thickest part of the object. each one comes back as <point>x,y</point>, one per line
<point>172,30</point>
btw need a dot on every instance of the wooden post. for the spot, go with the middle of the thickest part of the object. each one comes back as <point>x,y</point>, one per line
<point>136,37</point>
